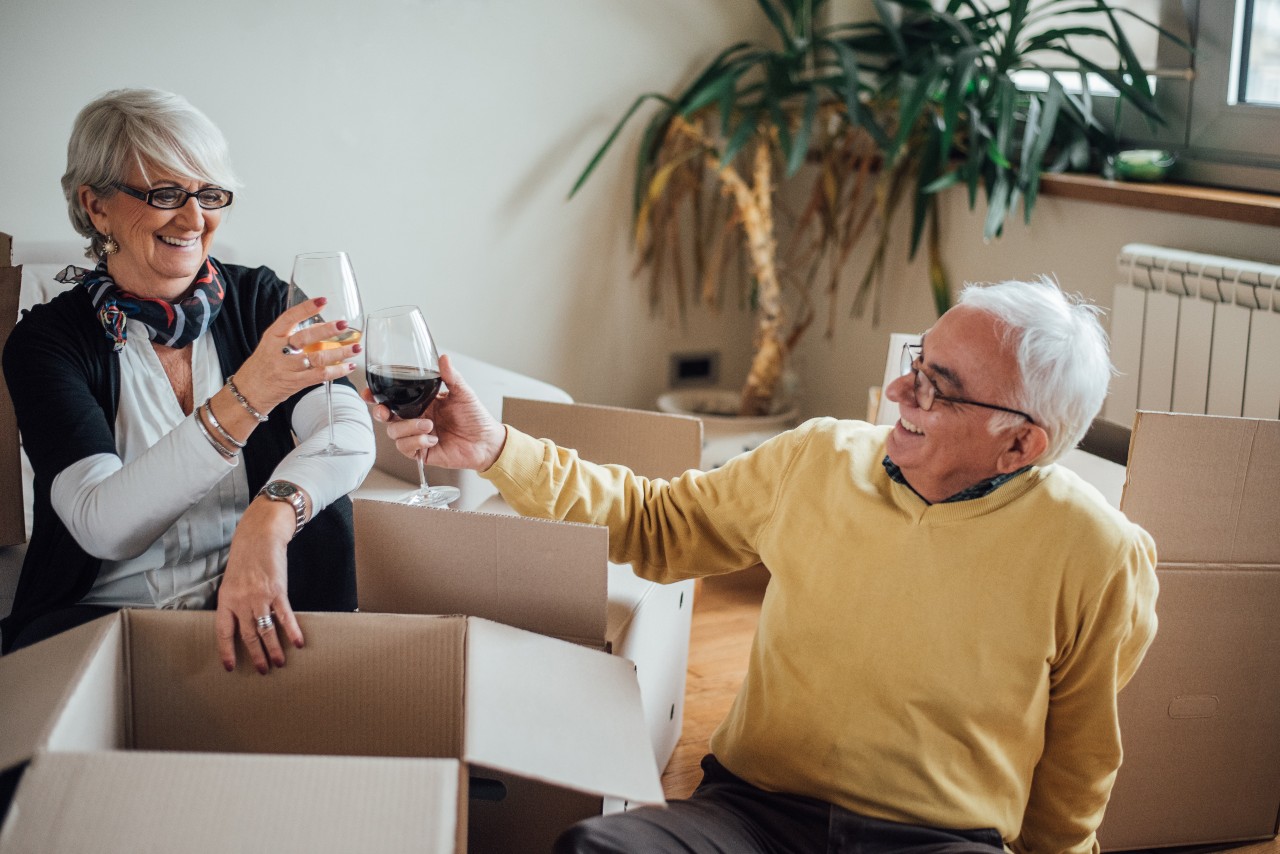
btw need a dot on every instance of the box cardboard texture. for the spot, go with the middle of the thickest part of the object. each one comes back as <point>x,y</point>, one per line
<point>351,804</point>
<point>549,577</point>
<point>1201,719</point>
<point>371,728</point>
<point>13,529</point>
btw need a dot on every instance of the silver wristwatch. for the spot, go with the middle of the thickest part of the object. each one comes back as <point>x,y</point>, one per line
<point>283,490</point>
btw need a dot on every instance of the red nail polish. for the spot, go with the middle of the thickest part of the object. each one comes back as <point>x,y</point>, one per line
<point>342,324</point>
<point>321,301</point>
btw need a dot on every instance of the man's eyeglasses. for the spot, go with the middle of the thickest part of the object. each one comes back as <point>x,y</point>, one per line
<point>172,198</point>
<point>926,392</point>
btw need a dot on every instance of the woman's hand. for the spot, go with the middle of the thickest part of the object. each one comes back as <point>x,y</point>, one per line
<point>279,368</point>
<point>255,585</point>
<point>465,435</point>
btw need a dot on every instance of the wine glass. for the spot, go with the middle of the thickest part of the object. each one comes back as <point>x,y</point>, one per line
<point>402,368</point>
<point>330,275</point>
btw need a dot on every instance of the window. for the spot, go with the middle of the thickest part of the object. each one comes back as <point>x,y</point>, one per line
<point>1259,71</point>
<point>1225,121</point>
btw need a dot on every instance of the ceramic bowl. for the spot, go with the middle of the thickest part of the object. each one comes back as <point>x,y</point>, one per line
<point>1140,164</point>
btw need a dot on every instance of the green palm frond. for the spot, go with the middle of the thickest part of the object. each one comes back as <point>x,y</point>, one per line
<point>876,116</point>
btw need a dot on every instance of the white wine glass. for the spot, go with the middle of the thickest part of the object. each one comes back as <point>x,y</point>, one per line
<point>329,275</point>
<point>402,369</point>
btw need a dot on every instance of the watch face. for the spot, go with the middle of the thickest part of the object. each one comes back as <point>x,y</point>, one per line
<point>280,489</point>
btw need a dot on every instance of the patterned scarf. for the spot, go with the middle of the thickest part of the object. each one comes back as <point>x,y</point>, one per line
<point>173,324</point>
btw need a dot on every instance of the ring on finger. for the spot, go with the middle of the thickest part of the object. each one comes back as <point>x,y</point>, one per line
<point>306,362</point>
<point>290,350</point>
<point>265,623</point>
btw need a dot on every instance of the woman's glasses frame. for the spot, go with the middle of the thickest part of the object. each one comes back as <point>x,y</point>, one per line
<point>172,198</point>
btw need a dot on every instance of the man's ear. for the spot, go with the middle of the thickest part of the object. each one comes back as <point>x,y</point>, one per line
<point>1024,445</point>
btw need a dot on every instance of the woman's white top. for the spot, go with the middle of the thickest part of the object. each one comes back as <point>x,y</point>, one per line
<point>161,512</point>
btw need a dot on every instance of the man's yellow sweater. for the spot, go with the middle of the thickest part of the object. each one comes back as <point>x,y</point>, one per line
<point>953,665</point>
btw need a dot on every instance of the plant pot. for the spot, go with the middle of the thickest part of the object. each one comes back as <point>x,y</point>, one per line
<point>725,435</point>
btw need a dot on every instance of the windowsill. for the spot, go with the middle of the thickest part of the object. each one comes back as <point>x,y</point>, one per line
<point>1212,202</point>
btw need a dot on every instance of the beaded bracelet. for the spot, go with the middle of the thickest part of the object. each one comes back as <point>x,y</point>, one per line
<point>213,419</point>
<point>228,455</point>
<point>231,384</point>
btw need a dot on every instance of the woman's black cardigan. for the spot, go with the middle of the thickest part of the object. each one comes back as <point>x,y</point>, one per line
<point>64,379</point>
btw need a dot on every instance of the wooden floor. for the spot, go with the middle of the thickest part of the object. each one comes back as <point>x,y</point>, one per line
<point>724,621</point>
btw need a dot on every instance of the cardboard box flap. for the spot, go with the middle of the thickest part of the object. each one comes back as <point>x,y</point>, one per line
<point>317,703</point>
<point>38,682</point>
<point>13,528</point>
<point>652,444</point>
<point>1207,488</point>
<point>127,802</point>
<point>546,577</point>
<point>557,713</point>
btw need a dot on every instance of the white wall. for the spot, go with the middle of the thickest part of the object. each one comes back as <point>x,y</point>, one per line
<point>436,141</point>
<point>1076,242</point>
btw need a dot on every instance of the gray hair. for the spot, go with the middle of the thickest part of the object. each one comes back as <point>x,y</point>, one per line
<point>1062,354</point>
<point>149,127</point>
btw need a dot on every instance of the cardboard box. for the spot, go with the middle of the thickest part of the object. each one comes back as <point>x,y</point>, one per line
<point>13,528</point>
<point>125,802</point>
<point>395,475</point>
<point>1201,719</point>
<point>545,729</point>
<point>554,578</point>
<point>652,444</point>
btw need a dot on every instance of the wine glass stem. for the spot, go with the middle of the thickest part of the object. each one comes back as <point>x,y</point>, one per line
<point>328,394</point>
<point>422,476</point>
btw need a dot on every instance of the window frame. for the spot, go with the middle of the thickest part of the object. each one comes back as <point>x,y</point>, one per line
<point>1218,142</point>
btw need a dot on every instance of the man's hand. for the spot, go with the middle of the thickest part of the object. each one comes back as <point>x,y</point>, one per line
<point>457,429</point>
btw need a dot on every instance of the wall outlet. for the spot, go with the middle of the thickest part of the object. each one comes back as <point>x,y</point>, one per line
<point>694,369</point>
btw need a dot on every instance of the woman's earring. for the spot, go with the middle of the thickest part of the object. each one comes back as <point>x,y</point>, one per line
<point>109,245</point>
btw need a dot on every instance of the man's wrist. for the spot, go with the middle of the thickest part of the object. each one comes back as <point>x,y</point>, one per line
<point>497,443</point>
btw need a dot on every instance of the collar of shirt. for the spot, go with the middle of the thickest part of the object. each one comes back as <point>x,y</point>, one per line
<point>978,490</point>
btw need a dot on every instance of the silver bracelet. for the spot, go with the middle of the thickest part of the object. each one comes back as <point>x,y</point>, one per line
<point>213,419</point>
<point>228,455</point>
<point>231,384</point>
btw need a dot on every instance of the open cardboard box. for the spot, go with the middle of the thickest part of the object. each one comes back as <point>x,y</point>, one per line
<point>545,730</point>
<point>1201,719</point>
<point>554,578</point>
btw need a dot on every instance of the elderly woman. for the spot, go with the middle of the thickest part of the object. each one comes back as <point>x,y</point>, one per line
<point>139,391</point>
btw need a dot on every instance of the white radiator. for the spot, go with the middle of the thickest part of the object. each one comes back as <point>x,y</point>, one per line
<point>1194,333</point>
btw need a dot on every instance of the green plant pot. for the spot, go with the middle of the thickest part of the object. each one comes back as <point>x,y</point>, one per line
<point>1140,164</point>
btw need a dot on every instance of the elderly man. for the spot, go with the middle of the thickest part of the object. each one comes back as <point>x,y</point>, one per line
<point>949,618</point>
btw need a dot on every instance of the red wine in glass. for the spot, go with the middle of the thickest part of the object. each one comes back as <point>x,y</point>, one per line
<point>406,390</point>
<point>402,369</point>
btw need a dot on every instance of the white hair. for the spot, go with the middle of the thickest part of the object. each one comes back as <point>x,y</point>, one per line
<point>149,127</point>
<point>1062,353</point>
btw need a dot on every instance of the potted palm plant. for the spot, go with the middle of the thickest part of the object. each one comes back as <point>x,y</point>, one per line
<point>860,117</point>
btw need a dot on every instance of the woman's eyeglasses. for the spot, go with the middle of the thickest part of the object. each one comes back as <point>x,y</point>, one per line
<point>172,198</point>
<point>926,392</point>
